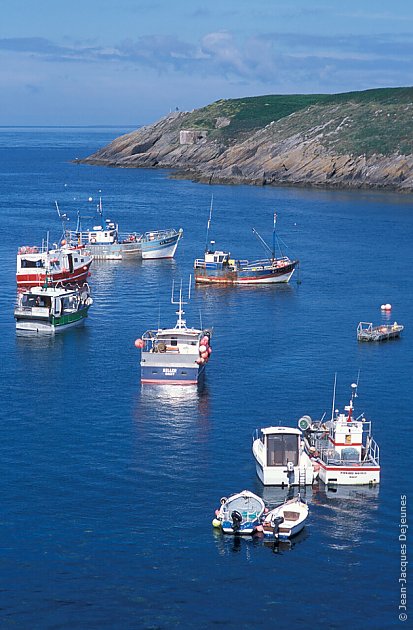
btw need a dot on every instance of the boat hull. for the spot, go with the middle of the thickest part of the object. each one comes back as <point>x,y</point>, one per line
<point>158,374</point>
<point>350,475</point>
<point>164,248</point>
<point>29,280</point>
<point>49,325</point>
<point>115,251</point>
<point>279,476</point>
<point>249,276</point>
<point>246,529</point>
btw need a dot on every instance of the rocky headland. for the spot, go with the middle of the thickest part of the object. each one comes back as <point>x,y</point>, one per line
<point>351,140</point>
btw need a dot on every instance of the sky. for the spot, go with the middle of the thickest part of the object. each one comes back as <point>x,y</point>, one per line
<point>129,62</point>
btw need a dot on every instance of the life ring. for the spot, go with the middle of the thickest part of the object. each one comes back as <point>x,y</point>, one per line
<point>93,240</point>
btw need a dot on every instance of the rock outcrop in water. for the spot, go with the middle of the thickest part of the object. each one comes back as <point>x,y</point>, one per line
<point>355,140</point>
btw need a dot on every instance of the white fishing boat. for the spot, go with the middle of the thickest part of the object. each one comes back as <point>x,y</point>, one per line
<point>343,446</point>
<point>281,459</point>
<point>47,309</point>
<point>175,356</point>
<point>106,242</point>
<point>286,520</point>
<point>62,265</point>
<point>240,513</point>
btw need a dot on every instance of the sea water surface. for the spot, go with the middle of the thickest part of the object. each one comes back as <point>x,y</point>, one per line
<point>109,487</point>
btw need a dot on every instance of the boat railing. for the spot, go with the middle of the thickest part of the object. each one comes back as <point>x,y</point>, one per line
<point>266,262</point>
<point>28,249</point>
<point>370,455</point>
<point>159,234</point>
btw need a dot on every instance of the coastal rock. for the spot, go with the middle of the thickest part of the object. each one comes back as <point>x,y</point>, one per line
<point>326,144</point>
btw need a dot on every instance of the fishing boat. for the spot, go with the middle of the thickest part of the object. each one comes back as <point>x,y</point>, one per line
<point>62,264</point>
<point>281,459</point>
<point>105,241</point>
<point>367,332</point>
<point>240,513</point>
<point>219,267</point>
<point>177,355</point>
<point>48,309</point>
<point>286,520</point>
<point>343,446</point>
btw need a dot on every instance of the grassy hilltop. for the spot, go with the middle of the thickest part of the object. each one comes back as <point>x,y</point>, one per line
<point>374,117</point>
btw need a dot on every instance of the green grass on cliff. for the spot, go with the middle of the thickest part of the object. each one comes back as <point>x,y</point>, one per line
<point>377,121</point>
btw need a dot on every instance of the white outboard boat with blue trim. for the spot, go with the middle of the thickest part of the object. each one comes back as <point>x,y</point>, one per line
<point>240,514</point>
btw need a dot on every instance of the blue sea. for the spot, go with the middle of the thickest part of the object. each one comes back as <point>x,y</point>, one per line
<point>108,488</point>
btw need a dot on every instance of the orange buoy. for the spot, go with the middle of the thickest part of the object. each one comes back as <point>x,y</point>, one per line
<point>139,343</point>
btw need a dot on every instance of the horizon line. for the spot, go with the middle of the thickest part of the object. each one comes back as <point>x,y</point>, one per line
<point>65,126</point>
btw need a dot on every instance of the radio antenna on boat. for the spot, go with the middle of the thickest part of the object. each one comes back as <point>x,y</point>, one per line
<point>181,322</point>
<point>209,223</point>
<point>334,396</point>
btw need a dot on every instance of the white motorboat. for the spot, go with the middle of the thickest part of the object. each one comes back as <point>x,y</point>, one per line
<point>240,513</point>
<point>281,459</point>
<point>286,520</point>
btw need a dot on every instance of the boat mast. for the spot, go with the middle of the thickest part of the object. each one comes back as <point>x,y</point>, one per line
<point>209,224</point>
<point>63,217</point>
<point>273,236</point>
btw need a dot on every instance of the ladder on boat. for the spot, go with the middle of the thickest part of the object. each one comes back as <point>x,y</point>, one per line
<point>302,477</point>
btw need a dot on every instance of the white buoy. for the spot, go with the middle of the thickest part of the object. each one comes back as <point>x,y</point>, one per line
<point>388,307</point>
<point>383,307</point>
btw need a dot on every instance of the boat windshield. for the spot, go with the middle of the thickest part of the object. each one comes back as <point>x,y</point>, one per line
<point>282,449</point>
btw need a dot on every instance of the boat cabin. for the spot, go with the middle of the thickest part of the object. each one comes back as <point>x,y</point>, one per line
<point>280,457</point>
<point>103,235</point>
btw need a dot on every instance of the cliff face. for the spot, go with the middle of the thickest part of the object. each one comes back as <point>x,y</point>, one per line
<point>362,141</point>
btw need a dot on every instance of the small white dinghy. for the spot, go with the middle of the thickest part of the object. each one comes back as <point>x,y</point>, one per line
<point>286,520</point>
<point>240,513</point>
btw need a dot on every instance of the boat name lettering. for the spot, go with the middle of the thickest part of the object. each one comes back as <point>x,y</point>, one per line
<point>169,371</point>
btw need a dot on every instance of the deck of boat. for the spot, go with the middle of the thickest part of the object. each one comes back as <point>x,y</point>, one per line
<point>367,332</point>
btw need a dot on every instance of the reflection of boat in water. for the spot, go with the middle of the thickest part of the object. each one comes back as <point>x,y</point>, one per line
<point>174,356</point>
<point>106,242</point>
<point>280,546</point>
<point>286,520</point>
<point>343,446</point>
<point>218,267</point>
<point>51,309</point>
<point>353,493</point>
<point>280,457</point>
<point>240,513</point>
